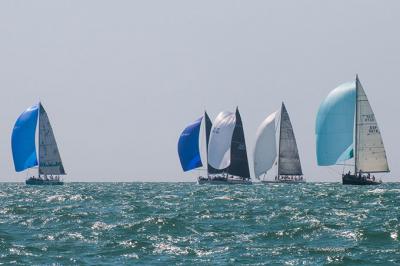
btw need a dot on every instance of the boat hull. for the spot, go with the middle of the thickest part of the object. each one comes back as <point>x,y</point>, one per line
<point>41,182</point>
<point>349,179</point>
<point>223,181</point>
<point>283,181</point>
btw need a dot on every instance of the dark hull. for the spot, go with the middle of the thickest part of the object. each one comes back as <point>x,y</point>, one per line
<point>223,181</point>
<point>355,180</point>
<point>283,181</point>
<point>40,182</point>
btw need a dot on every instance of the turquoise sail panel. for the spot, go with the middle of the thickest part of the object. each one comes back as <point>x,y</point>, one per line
<point>335,125</point>
<point>188,146</point>
<point>23,139</point>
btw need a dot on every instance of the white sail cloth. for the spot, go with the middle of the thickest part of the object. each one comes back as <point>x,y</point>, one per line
<point>265,148</point>
<point>220,140</point>
<point>370,151</point>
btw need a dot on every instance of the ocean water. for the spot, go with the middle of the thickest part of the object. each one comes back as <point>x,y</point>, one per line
<point>188,224</point>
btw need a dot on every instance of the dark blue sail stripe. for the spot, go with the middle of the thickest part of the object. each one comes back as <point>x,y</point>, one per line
<point>188,146</point>
<point>23,139</point>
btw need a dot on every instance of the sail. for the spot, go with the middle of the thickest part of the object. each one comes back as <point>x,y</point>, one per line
<point>335,125</point>
<point>49,158</point>
<point>219,146</point>
<point>188,146</point>
<point>370,152</point>
<point>265,148</point>
<point>239,165</point>
<point>208,126</point>
<point>23,139</point>
<point>289,160</point>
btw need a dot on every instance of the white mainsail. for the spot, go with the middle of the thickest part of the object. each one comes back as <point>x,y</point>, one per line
<point>289,160</point>
<point>370,151</point>
<point>49,157</point>
<point>220,140</point>
<point>265,148</point>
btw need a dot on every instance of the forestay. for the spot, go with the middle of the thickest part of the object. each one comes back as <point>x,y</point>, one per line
<point>49,158</point>
<point>289,160</point>
<point>370,153</point>
<point>220,140</point>
<point>265,148</point>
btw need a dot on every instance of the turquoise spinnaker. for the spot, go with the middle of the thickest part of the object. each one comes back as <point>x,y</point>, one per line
<point>335,125</point>
<point>23,139</point>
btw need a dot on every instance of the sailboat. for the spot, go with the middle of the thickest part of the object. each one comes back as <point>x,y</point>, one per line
<point>23,142</point>
<point>227,155</point>
<point>189,144</point>
<point>285,157</point>
<point>346,128</point>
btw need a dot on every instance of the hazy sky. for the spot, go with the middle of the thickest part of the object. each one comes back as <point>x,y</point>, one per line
<point>121,79</point>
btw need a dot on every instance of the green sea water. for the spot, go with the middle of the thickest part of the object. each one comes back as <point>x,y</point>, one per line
<point>188,224</point>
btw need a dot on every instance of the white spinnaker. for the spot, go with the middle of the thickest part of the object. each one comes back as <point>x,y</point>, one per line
<point>370,153</point>
<point>49,158</point>
<point>219,146</point>
<point>265,148</point>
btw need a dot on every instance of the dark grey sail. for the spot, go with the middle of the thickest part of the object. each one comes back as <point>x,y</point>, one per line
<point>49,157</point>
<point>289,160</point>
<point>208,129</point>
<point>239,165</point>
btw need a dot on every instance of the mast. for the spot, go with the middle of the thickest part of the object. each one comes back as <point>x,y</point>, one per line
<point>38,126</point>
<point>356,129</point>
<point>279,141</point>
<point>207,129</point>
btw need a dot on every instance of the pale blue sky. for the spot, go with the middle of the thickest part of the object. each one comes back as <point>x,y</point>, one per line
<point>121,79</point>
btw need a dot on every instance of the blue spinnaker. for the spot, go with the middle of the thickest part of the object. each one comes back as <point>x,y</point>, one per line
<point>23,139</point>
<point>335,125</point>
<point>188,146</point>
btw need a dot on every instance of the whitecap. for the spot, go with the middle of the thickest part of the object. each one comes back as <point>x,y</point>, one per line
<point>55,198</point>
<point>101,226</point>
<point>351,235</point>
<point>170,249</point>
<point>76,235</point>
<point>79,197</point>
<point>223,198</point>
<point>128,243</point>
<point>131,256</point>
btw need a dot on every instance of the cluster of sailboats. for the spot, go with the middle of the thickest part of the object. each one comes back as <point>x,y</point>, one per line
<point>227,161</point>
<point>347,134</point>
